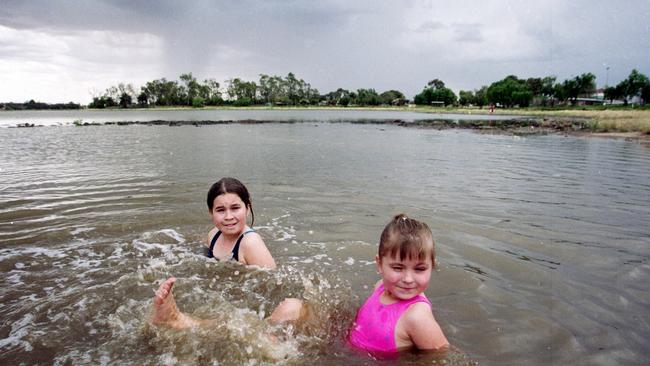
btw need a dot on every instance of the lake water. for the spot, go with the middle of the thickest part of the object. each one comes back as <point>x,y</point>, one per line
<point>543,242</point>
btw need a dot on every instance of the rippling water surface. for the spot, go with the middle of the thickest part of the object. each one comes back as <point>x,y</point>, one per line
<point>543,242</point>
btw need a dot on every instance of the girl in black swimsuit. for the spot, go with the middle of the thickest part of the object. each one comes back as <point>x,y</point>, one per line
<point>229,204</point>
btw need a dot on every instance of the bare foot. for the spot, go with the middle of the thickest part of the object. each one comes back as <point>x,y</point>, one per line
<point>164,310</point>
<point>288,310</point>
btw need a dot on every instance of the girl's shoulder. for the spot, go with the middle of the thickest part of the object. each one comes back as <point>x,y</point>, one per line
<point>422,328</point>
<point>251,240</point>
<point>250,236</point>
<point>418,315</point>
<point>253,251</point>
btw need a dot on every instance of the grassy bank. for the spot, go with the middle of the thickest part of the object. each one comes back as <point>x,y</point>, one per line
<point>597,119</point>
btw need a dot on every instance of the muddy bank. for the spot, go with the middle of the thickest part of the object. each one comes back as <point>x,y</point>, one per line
<point>517,126</point>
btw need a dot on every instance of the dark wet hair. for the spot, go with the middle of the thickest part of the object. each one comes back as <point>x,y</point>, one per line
<point>404,237</point>
<point>230,185</point>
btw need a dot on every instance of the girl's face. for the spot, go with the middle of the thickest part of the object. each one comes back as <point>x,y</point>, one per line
<point>406,278</point>
<point>229,214</point>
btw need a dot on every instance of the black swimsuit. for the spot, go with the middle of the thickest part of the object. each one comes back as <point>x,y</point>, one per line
<point>235,249</point>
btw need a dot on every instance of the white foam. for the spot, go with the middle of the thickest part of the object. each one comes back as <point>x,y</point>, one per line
<point>145,247</point>
<point>80,230</point>
<point>85,263</point>
<point>117,253</point>
<point>169,232</point>
<point>167,359</point>
<point>173,234</point>
<point>349,261</point>
<point>157,263</point>
<point>15,278</point>
<point>30,298</point>
<point>81,304</point>
<point>19,329</point>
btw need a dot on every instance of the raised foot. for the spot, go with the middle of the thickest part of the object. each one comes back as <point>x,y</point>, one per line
<point>164,311</point>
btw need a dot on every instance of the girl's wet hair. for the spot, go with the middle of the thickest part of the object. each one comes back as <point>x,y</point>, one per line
<point>230,185</point>
<point>407,238</point>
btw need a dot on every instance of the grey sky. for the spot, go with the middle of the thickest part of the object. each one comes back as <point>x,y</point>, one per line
<point>60,51</point>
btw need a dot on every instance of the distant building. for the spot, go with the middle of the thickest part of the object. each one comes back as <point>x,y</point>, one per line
<point>590,101</point>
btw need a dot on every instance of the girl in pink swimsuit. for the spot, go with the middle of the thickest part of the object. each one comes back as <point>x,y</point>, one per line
<point>397,316</point>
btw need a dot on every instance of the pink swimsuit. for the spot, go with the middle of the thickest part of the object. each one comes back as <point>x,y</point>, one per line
<point>374,327</point>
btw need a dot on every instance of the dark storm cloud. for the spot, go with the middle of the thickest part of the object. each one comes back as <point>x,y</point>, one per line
<point>331,44</point>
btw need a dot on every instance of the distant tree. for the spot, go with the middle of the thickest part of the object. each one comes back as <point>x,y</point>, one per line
<point>143,99</point>
<point>190,90</point>
<point>198,102</point>
<point>242,92</point>
<point>367,97</point>
<point>509,92</point>
<point>126,100</point>
<point>210,92</point>
<point>633,86</point>
<point>270,88</point>
<point>480,96</point>
<point>534,85</point>
<point>102,102</point>
<point>163,92</point>
<point>645,93</point>
<point>392,97</point>
<point>558,92</point>
<point>582,85</point>
<point>292,87</point>
<point>436,84</point>
<point>546,89</point>
<point>466,97</point>
<point>614,92</point>
<point>339,97</point>
<point>435,91</point>
<point>113,93</point>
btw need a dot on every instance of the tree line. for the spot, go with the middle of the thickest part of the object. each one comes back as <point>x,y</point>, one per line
<point>268,90</point>
<point>37,105</point>
<point>292,91</point>
<point>512,91</point>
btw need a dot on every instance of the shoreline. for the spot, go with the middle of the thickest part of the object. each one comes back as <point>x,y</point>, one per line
<point>530,126</point>
<point>630,124</point>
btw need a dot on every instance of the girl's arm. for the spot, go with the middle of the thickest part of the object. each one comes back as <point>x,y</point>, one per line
<point>254,252</point>
<point>423,329</point>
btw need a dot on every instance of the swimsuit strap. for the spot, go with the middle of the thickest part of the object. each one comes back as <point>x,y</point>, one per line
<point>235,249</point>
<point>212,243</point>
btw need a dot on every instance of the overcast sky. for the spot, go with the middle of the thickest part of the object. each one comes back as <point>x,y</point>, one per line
<point>64,50</point>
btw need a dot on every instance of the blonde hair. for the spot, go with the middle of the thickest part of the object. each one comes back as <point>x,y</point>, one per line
<point>404,237</point>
